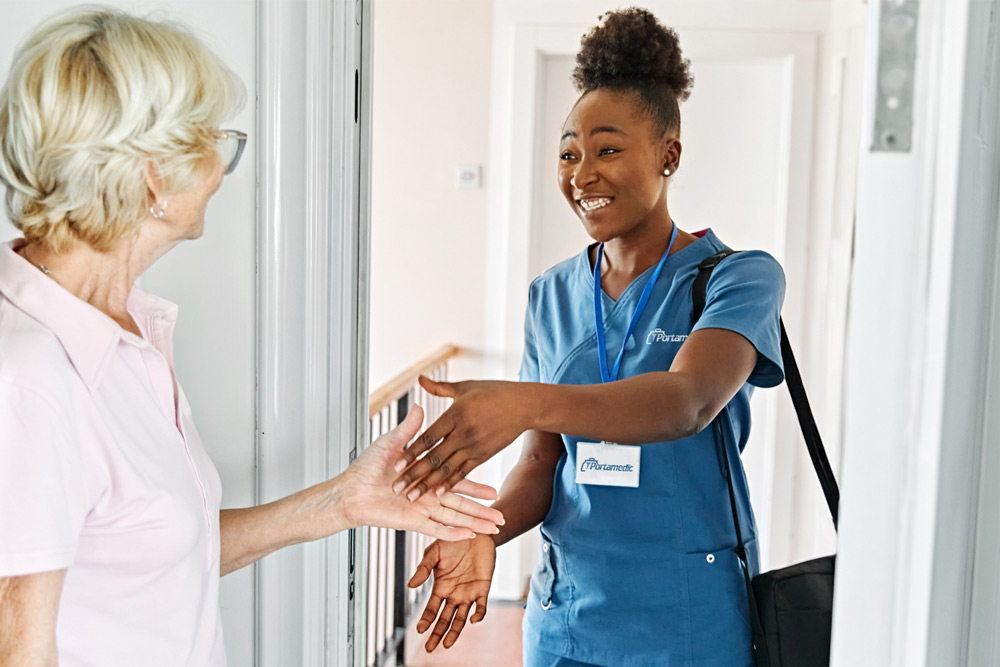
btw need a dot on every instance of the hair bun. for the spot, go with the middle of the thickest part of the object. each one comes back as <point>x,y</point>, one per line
<point>629,48</point>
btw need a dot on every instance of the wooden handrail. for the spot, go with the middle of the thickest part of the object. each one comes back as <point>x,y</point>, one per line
<point>400,385</point>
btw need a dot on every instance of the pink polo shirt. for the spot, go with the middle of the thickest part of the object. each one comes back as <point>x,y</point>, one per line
<point>102,472</point>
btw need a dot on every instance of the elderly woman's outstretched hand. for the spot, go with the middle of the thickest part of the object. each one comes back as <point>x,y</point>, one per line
<point>369,499</point>
<point>485,417</point>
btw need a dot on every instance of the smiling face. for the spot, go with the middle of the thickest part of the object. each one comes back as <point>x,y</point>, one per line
<point>611,161</point>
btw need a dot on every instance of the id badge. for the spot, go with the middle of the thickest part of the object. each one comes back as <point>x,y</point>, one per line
<point>607,464</point>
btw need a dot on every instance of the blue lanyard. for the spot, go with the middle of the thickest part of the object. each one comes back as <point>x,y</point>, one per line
<point>602,353</point>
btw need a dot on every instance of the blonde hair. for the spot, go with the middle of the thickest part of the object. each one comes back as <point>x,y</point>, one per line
<point>93,97</point>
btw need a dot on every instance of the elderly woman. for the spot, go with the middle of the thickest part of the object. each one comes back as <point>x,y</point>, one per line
<point>111,537</point>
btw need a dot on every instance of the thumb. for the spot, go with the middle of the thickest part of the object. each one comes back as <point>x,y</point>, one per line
<point>425,567</point>
<point>408,428</point>
<point>420,576</point>
<point>443,389</point>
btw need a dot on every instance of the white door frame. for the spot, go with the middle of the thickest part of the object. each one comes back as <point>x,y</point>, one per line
<point>984,618</point>
<point>312,309</point>
<point>925,269</point>
<point>525,32</point>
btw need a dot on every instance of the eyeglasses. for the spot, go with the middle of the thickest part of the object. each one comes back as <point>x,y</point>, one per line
<point>231,145</point>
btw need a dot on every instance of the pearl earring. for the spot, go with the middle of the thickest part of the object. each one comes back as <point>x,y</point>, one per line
<point>666,172</point>
<point>158,214</point>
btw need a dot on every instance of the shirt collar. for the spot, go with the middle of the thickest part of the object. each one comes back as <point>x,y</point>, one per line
<point>88,336</point>
<point>702,237</point>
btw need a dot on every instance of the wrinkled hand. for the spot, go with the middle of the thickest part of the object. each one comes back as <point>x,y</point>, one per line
<point>463,572</point>
<point>369,499</point>
<point>485,417</point>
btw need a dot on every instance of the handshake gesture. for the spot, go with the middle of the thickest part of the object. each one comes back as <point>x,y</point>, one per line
<point>446,516</point>
<point>483,419</point>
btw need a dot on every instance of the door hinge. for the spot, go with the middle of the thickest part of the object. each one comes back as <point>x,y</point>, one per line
<point>897,55</point>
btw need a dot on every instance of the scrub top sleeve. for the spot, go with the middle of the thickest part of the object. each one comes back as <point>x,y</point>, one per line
<point>744,295</point>
<point>529,361</point>
<point>43,502</point>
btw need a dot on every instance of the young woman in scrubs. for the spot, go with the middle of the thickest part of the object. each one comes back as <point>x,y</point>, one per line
<point>638,562</point>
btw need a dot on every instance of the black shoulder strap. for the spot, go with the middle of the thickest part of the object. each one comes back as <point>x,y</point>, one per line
<point>808,425</point>
<point>796,388</point>
<point>809,429</point>
<point>700,288</point>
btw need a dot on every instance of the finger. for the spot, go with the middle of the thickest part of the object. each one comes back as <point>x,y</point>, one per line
<point>480,610</point>
<point>430,612</point>
<point>407,429</point>
<point>439,474</point>
<point>436,432</point>
<point>396,439</point>
<point>456,626</point>
<point>473,489</point>
<point>472,508</point>
<point>457,477</point>
<point>442,389</point>
<point>454,534</point>
<point>430,470</point>
<point>449,517</point>
<point>444,620</point>
<point>414,476</point>
<point>438,531</point>
<point>421,575</point>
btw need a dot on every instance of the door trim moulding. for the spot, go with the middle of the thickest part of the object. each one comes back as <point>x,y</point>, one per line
<point>311,310</point>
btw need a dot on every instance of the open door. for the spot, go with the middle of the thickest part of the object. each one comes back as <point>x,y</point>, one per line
<point>311,311</point>
<point>917,579</point>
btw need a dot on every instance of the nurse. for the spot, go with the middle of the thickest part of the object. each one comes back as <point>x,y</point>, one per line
<point>638,562</point>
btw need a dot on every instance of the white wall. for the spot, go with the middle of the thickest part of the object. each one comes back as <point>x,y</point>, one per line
<point>212,279</point>
<point>431,113</point>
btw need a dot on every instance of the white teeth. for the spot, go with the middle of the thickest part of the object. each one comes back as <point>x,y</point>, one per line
<point>594,204</point>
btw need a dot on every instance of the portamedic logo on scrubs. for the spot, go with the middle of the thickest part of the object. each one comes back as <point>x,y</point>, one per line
<point>661,336</point>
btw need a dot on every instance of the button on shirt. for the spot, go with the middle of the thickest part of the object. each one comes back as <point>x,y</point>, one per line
<point>102,473</point>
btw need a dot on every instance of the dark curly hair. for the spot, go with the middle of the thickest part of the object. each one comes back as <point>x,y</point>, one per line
<point>630,51</point>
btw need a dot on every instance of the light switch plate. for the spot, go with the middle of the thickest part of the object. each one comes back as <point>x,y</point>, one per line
<point>468,176</point>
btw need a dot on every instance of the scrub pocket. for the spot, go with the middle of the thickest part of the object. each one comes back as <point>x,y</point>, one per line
<point>544,578</point>
<point>719,610</point>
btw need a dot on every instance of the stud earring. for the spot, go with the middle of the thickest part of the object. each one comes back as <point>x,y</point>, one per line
<point>666,172</point>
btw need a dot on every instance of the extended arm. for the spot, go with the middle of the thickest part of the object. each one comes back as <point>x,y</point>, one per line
<point>707,372</point>
<point>251,533</point>
<point>358,496</point>
<point>29,605</point>
<point>652,407</point>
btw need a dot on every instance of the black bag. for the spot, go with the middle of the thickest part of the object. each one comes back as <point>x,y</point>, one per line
<point>791,609</point>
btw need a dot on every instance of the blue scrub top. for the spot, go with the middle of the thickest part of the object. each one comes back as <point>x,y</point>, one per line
<point>649,576</point>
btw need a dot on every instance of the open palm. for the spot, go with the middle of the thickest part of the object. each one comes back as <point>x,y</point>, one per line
<point>463,572</point>
<point>371,501</point>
